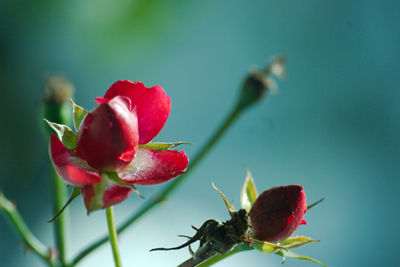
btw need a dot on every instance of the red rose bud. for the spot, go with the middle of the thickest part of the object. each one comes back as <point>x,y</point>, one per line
<point>109,136</point>
<point>152,106</point>
<point>129,114</point>
<point>278,212</point>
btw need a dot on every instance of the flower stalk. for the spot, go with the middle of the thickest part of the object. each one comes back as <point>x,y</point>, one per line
<point>113,236</point>
<point>57,92</point>
<point>59,198</point>
<point>219,257</point>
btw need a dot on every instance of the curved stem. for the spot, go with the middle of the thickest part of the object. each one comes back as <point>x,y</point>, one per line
<point>219,257</point>
<point>113,235</point>
<point>30,240</point>
<point>147,206</point>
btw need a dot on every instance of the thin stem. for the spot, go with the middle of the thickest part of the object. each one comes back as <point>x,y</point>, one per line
<point>113,235</point>
<point>15,219</point>
<point>57,112</point>
<point>59,198</point>
<point>147,206</point>
<point>219,257</point>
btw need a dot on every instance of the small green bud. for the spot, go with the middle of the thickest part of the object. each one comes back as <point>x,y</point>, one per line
<point>55,104</point>
<point>258,83</point>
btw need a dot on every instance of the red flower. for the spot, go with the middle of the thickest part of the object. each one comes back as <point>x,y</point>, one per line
<point>108,137</point>
<point>278,212</point>
<point>108,140</point>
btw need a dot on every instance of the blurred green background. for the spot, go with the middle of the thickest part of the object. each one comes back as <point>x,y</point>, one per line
<point>334,127</point>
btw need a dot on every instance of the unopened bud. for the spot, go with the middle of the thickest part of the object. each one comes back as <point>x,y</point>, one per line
<point>55,105</point>
<point>258,83</point>
<point>57,89</point>
<point>277,212</point>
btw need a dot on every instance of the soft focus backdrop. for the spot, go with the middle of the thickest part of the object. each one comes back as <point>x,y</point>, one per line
<point>334,127</point>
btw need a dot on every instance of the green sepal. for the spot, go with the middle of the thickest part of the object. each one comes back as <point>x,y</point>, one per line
<point>79,114</point>
<point>266,247</point>
<point>248,193</point>
<point>229,206</point>
<point>162,146</point>
<point>64,133</point>
<point>113,177</point>
<point>282,248</point>
<point>289,254</point>
<point>296,241</point>
<point>75,192</point>
<point>315,203</point>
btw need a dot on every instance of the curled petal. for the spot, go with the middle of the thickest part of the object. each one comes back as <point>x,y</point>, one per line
<point>108,136</point>
<point>154,166</point>
<point>71,169</point>
<point>103,195</point>
<point>152,106</point>
<point>100,100</point>
<point>278,212</point>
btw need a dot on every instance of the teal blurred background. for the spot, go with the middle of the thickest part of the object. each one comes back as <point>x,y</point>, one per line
<point>334,127</point>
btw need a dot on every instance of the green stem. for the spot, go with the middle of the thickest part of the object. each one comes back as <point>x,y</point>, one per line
<point>59,198</point>
<point>30,240</point>
<point>113,235</point>
<point>219,257</point>
<point>147,206</point>
<point>58,113</point>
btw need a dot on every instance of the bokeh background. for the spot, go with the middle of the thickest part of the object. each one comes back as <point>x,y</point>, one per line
<point>334,127</point>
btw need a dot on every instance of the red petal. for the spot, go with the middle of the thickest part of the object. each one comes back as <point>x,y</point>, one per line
<point>154,166</point>
<point>100,100</point>
<point>278,212</point>
<point>108,137</point>
<point>115,195</point>
<point>127,101</point>
<point>104,195</point>
<point>303,222</point>
<point>152,106</point>
<point>71,169</point>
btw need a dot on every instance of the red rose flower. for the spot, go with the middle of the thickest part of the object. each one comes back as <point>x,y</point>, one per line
<point>108,140</point>
<point>277,212</point>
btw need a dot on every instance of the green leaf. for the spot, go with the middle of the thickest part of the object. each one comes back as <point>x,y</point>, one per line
<point>266,247</point>
<point>296,241</point>
<point>79,114</point>
<point>113,177</point>
<point>289,254</point>
<point>64,133</point>
<point>230,207</point>
<point>75,192</point>
<point>162,146</point>
<point>249,192</point>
